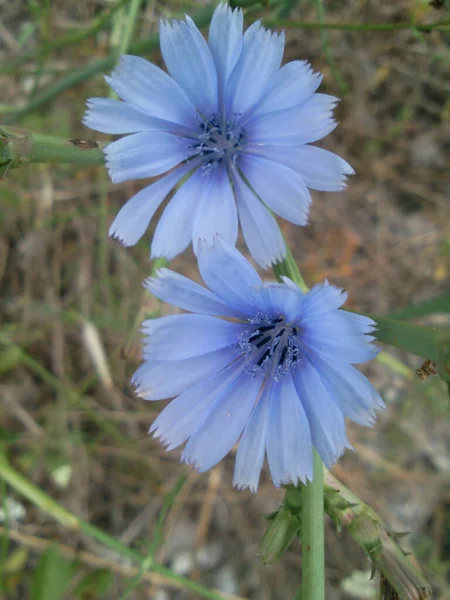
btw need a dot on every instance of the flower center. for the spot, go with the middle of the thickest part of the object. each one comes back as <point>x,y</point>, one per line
<point>218,142</point>
<point>272,346</point>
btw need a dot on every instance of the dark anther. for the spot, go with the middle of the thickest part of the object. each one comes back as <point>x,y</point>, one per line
<point>263,342</point>
<point>263,358</point>
<point>283,356</point>
<point>280,333</point>
<point>265,328</point>
<point>255,336</point>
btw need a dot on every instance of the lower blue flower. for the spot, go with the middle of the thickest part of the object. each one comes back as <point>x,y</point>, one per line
<point>278,377</point>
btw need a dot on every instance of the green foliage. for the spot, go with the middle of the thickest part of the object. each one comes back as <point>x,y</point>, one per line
<point>94,585</point>
<point>51,577</point>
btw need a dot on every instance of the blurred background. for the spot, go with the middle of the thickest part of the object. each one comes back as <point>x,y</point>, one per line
<point>71,301</point>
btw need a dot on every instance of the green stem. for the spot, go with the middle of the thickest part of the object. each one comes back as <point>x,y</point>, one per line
<point>18,146</point>
<point>312,503</point>
<point>288,268</point>
<point>312,536</point>
<point>40,499</point>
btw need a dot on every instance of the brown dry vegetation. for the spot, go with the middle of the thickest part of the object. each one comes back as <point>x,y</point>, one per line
<point>71,297</point>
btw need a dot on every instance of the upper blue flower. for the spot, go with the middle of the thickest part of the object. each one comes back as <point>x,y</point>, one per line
<point>278,376</point>
<point>226,116</point>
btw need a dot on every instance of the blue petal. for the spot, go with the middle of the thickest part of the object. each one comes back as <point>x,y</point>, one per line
<point>343,324</point>
<point>183,336</point>
<point>157,380</point>
<point>320,170</point>
<point>144,154</point>
<point>147,87</point>
<point>173,233</point>
<point>230,276</point>
<point>289,446</point>
<point>332,344</point>
<point>260,58</point>
<point>190,62</point>
<point>349,389</point>
<point>225,39</point>
<point>279,299</point>
<point>113,116</point>
<point>326,420</point>
<point>290,284</point>
<point>294,83</point>
<point>252,446</point>
<point>185,415</point>
<point>322,299</point>
<point>281,188</point>
<point>223,425</point>
<point>133,219</point>
<point>261,232</point>
<point>217,212</point>
<point>302,124</point>
<point>186,294</point>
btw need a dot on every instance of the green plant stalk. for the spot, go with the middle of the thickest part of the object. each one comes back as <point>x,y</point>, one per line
<point>312,504</point>
<point>49,506</point>
<point>312,535</point>
<point>369,532</point>
<point>18,146</point>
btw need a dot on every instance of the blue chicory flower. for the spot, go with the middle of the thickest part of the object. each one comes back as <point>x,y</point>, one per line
<point>227,115</point>
<point>278,376</point>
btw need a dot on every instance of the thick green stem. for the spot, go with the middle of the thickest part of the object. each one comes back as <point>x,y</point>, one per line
<point>18,146</point>
<point>312,503</point>
<point>312,536</point>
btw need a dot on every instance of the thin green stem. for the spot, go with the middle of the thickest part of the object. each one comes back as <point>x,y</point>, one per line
<point>288,268</point>
<point>312,536</point>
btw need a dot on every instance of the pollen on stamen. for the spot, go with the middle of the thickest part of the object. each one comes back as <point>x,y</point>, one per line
<point>271,342</point>
<point>217,143</point>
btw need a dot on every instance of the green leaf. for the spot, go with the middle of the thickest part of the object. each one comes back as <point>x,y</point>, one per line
<point>432,343</point>
<point>279,535</point>
<point>427,307</point>
<point>51,577</point>
<point>285,524</point>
